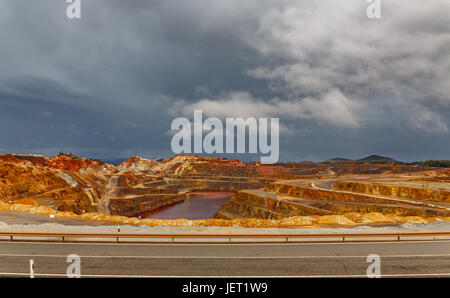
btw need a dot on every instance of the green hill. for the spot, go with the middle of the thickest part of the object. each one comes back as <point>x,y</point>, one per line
<point>376,159</point>
<point>338,160</point>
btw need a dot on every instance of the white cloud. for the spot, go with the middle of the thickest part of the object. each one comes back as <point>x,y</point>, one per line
<point>423,119</point>
<point>333,108</point>
<point>332,65</point>
<point>331,45</point>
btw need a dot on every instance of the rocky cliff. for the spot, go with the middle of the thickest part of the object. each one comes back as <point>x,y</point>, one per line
<point>56,182</point>
<point>285,199</point>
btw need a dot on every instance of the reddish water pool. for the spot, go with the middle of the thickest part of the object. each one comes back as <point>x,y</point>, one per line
<point>201,205</point>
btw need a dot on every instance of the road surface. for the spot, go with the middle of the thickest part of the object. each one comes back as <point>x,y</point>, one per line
<point>398,259</point>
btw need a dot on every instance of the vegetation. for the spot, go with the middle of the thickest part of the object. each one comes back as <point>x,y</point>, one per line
<point>432,163</point>
<point>376,159</point>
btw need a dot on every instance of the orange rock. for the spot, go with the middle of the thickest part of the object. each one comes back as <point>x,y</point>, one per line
<point>355,217</point>
<point>295,221</point>
<point>9,159</point>
<point>334,220</point>
<point>79,185</point>
<point>70,162</point>
<point>415,219</point>
<point>393,217</point>
<point>137,163</point>
<point>375,217</point>
<point>26,201</point>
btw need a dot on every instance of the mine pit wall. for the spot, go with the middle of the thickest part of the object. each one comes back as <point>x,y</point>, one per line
<point>124,191</point>
<point>322,202</point>
<point>248,205</point>
<point>340,202</point>
<point>75,199</point>
<point>325,195</point>
<point>394,191</point>
<point>173,191</point>
<point>140,204</point>
<point>214,185</point>
<point>86,194</point>
<point>54,188</point>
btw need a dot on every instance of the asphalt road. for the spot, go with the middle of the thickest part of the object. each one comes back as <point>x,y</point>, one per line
<point>398,259</point>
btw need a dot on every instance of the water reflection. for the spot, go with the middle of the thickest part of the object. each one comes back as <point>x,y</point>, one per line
<point>201,205</point>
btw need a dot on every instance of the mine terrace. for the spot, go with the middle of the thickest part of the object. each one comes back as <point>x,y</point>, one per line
<point>333,193</point>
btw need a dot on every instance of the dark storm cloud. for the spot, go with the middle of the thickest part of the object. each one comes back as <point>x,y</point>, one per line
<point>110,84</point>
<point>31,118</point>
<point>102,85</point>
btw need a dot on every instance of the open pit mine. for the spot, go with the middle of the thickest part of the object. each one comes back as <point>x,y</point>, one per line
<point>305,194</point>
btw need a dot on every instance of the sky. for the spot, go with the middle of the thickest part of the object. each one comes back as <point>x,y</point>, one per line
<point>108,85</point>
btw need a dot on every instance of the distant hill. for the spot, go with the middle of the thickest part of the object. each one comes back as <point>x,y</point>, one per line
<point>368,159</point>
<point>376,159</point>
<point>338,160</point>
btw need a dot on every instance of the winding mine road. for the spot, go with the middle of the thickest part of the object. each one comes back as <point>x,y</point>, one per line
<point>398,259</point>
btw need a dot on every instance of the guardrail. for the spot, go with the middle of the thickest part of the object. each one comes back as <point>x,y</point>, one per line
<point>229,238</point>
